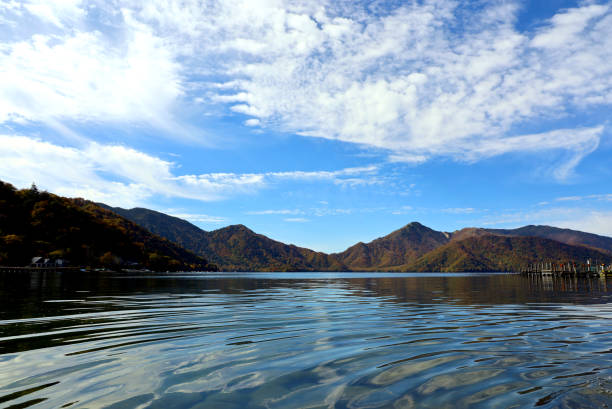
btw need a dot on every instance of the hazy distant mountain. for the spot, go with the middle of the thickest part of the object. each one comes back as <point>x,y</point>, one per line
<point>234,247</point>
<point>469,232</point>
<point>567,236</point>
<point>34,223</point>
<point>501,253</point>
<point>414,247</point>
<point>401,247</point>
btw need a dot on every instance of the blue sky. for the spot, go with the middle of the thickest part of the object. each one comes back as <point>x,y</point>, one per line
<point>318,123</point>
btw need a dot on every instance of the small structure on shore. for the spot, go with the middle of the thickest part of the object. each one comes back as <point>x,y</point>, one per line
<point>569,268</point>
<point>41,262</point>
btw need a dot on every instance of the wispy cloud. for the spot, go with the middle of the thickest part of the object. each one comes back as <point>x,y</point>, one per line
<point>598,221</point>
<point>58,13</point>
<point>516,218</point>
<point>199,218</point>
<point>296,220</point>
<point>276,212</point>
<point>600,197</point>
<point>403,210</point>
<point>341,176</point>
<point>327,211</point>
<point>312,211</point>
<point>577,142</point>
<point>246,182</point>
<point>123,176</point>
<point>459,210</point>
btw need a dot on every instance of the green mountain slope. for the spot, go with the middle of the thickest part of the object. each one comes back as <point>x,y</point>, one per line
<point>401,247</point>
<point>234,247</point>
<point>34,223</point>
<point>501,253</point>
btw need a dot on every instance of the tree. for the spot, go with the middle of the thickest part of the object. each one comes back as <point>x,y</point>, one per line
<point>109,259</point>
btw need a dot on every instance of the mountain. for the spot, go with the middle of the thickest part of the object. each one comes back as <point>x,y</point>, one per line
<point>176,230</point>
<point>399,248</point>
<point>412,248</point>
<point>239,248</point>
<point>469,232</point>
<point>34,223</point>
<point>567,236</point>
<point>234,248</point>
<point>501,253</point>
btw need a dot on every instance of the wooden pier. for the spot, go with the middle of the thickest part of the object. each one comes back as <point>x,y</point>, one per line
<point>587,269</point>
<point>5,269</point>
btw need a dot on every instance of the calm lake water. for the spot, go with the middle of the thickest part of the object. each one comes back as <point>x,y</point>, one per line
<point>304,341</point>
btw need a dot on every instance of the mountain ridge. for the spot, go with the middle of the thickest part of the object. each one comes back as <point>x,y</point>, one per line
<point>562,235</point>
<point>411,247</point>
<point>397,248</point>
<point>501,253</point>
<point>234,247</point>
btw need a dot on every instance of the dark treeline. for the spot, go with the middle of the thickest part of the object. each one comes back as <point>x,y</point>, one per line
<point>35,223</point>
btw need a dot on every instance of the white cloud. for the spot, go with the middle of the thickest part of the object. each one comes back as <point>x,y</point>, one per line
<point>199,218</point>
<point>600,197</point>
<point>127,75</point>
<point>217,186</point>
<point>252,122</point>
<point>326,211</point>
<point>77,172</point>
<point>122,176</point>
<point>420,79</point>
<point>315,211</point>
<point>566,27</point>
<point>580,142</point>
<point>598,222</point>
<point>296,220</point>
<point>567,199</point>
<point>337,175</point>
<point>516,218</point>
<point>403,210</point>
<point>404,80</point>
<point>56,12</point>
<point>459,210</point>
<point>250,182</point>
<point>275,212</point>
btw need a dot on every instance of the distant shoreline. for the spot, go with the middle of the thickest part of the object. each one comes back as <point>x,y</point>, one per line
<point>7,269</point>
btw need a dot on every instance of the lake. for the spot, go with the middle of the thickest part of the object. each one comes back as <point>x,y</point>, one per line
<point>304,340</point>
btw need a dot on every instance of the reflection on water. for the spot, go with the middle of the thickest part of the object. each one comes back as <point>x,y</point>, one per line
<point>304,341</point>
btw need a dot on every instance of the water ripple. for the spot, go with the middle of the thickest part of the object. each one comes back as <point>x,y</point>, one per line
<point>252,342</point>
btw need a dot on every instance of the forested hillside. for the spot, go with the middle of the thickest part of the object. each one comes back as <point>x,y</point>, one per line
<point>502,253</point>
<point>34,223</point>
<point>233,248</point>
